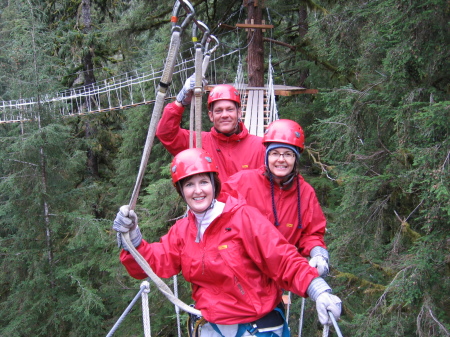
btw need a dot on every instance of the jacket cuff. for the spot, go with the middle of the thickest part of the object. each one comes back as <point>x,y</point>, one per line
<point>317,287</point>
<point>317,250</point>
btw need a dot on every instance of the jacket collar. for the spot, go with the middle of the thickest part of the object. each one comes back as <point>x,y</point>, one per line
<point>234,137</point>
<point>233,202</point>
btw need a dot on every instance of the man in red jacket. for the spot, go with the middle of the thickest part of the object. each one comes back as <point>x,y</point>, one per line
<point>228,141</point>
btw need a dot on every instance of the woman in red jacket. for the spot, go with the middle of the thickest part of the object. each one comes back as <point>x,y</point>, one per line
<point>236,260</point>
<point>279,191</point>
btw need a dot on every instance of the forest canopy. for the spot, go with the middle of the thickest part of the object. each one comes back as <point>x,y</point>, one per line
<point>377,153</point>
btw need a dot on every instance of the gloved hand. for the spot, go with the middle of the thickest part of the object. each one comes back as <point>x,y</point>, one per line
<point>185,94</point>
<point>321,264</point>
<point>127,221</point>
<point>319,291</point>
<point>319,260</point>
<point>328,302</point>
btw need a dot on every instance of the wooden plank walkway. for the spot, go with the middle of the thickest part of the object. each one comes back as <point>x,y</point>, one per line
<point>254,112</point>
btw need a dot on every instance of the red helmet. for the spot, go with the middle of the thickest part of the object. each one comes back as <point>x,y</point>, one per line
<point>190,162</point>
<point>224,91</point>
<point>285,131</point>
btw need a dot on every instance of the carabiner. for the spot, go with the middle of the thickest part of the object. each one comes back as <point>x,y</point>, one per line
<point>188,8</point>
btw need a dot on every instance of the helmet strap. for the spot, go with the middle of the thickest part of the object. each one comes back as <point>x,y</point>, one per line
<point>286,181</point>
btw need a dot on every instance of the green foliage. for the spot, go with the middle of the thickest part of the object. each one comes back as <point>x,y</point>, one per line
<point>377,153</point>
<point>386,136</point>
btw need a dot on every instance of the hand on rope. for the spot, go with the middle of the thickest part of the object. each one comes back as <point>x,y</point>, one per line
<point>328,302</point>
<point>319,260</point>
<point>319,291</point>
<point>127,221</point>
<point>185,95</point>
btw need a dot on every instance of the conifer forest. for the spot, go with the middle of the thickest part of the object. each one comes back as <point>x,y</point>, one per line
<point>377,153</point>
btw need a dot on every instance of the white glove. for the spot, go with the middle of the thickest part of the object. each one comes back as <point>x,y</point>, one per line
<point>185,94</point>
<point>321,264</point>
<point>319,260</point>
<point>127,221</point>
<point>326,302</point>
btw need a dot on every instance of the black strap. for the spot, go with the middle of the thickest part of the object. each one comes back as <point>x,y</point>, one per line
<point>272,319</point>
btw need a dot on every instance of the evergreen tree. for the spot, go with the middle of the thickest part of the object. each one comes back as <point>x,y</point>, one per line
<point>386,135</point>
<point>377,154</point>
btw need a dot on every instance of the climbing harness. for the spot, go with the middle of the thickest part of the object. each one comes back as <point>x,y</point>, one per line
<point>262,327</point>
<point>194,323</point>
<point>158,107</point>
<point>200,69</point>
<point>164,83</point>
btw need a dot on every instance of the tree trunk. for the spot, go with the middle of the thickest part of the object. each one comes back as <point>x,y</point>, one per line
<point>255,54</point>
<point>48,231</point>
<point>89,79</point>
<point>302,30</point>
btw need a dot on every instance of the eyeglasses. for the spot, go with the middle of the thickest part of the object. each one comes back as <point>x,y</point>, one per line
<point>287,155</point>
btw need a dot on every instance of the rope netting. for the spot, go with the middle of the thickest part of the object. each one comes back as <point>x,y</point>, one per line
<point>119,92</point>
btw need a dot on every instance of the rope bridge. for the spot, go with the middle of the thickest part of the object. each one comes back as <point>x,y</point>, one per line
<point>137,88</point>
<point>124,91</point>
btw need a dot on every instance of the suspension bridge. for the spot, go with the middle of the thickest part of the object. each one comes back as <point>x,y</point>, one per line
<point>138,87</point>
<point>120,92</point>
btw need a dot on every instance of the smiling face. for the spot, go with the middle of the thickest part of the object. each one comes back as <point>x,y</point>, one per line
<point>224,116</point>
<point>198,192</point>
<point>281,162</point>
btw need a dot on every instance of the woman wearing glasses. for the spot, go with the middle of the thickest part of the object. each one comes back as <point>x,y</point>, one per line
<point>279,191</point>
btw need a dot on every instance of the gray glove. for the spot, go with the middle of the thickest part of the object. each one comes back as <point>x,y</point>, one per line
<point>127,221</point>
<point>320,292</point>
<point>185,94</point>
<point>319,260</point>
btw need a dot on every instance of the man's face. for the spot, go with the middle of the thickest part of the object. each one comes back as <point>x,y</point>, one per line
<point>224,116</point>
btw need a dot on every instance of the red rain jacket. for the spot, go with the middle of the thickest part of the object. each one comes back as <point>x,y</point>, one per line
<point>255,189</point>
<point>236,270</point>
<point>231,154</point>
